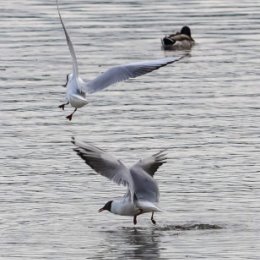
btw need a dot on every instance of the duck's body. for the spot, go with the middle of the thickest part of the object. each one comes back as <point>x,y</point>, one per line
<point>143,193</point>
<point>178,41</point>
<point>77,88</point>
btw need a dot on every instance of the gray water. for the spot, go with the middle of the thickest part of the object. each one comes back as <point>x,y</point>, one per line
<point>204,110</point>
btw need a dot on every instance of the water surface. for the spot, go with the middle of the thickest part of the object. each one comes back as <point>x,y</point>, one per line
<point>204,110</point>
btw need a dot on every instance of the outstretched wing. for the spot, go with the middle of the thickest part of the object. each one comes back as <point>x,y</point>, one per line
<point>104,163</point>
<point>70,45</point>
<point>152,163</point>
<point>124,72</point>
<point>145,187</point>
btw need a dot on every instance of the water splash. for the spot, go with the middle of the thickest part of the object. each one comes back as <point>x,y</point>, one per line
<point>170,227</point>
<point>187,227</point>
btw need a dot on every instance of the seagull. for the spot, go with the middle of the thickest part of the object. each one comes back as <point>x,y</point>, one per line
<point>142,194</point>
<point>77,88</point>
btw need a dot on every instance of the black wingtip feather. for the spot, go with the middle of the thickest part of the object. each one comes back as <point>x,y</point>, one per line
<point>172,61</point>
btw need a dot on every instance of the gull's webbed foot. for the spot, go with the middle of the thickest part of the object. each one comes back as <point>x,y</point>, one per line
<point>70,116</point>
<point>62,106</point>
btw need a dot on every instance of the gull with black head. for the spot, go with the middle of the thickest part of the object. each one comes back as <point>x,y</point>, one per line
<point>142,194</point>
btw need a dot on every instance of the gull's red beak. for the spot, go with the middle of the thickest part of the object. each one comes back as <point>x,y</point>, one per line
<point>100,210</point>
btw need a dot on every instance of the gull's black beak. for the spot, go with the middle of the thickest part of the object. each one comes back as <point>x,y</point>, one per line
<point>100,210</point>
<point>107,206</point>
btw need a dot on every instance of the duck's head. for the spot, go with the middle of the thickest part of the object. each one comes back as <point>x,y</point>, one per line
<point>107,206</point>
<point>186,30</point>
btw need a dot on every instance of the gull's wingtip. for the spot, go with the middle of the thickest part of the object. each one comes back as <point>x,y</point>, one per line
<point>161,156</point>
<point>162,152</point>
<point>184,56</point>
<point>57,4</point>
<point>73,140</point>
<point>174,59</point>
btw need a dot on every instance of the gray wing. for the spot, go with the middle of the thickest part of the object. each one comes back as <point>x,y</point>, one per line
<point>124,72</point>
<point>104,163</point>
<point>152,163</point>
<point>70,45</point>
<point>145,187</point>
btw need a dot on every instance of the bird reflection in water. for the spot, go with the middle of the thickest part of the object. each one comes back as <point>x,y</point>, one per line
<point>133,243</point>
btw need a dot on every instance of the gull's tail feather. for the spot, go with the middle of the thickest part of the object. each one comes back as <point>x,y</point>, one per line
<point>148,206</point>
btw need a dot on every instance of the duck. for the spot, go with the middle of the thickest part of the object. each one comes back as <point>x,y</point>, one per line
<point>142,195</point>
<point>77,88</point>
<point>178,41</point>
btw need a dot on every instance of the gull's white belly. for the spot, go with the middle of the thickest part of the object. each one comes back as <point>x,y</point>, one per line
<point>127,208</point>
<point>77,101</point>
<point>124,208</point>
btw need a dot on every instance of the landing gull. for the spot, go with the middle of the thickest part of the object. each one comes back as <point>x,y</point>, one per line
<point>77,88</point>
<point>142,194</point>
